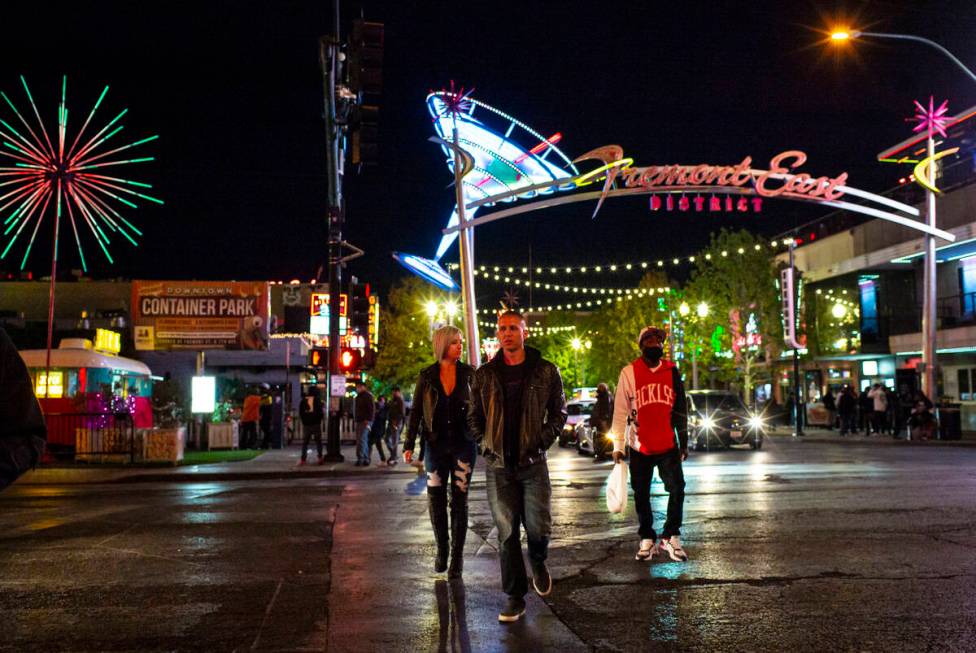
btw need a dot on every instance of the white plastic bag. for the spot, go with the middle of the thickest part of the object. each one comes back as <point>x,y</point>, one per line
<point>617,488</point>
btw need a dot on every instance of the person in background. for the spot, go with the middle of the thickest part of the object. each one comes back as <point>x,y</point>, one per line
<point>311,412</point>
<point>440,418</point>
<point>394,424</point>
<point>377,430</point>
<point>600,420</point>
<point>265,421</point>
<point>846,409</point>
<point>249,421</point>
<point>866,404</point>
<point>22,430</point>
<point>879,407</point>
<point>364,413</point>
<point>831,407</point>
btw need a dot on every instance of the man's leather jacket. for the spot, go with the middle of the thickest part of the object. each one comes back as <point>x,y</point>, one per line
<point>425,398</point>
<point>543,409</point>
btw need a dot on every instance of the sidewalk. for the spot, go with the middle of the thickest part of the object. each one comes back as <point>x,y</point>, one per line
<point>282,464</point>
<point>272,464</point>
<point>817,434</point>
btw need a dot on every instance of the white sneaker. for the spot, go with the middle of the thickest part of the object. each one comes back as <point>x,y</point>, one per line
<point>673,548</point>
<point>647,550</point>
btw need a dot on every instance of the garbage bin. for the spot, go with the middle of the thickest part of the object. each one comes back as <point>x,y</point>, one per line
<point>950,421</point>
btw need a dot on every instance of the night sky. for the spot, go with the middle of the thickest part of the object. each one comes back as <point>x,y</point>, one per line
<point>235,92</point>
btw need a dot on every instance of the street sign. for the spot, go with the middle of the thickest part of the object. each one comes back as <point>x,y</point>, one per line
<point>338,387</point>
<point>789,308</point>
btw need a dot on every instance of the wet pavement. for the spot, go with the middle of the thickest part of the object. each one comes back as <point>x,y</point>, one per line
<point>801,546</point>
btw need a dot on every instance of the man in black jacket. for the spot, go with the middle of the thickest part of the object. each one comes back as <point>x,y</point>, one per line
<point>517,411</point>
<point>22,429</point>
<point>365,412</point>
<point>311,413</point>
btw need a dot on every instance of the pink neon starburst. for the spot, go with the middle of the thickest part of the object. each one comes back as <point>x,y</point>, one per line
<point>456,100</point>
<point>931,119</point>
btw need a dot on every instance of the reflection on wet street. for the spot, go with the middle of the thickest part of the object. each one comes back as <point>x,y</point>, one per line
<point>802,547</point>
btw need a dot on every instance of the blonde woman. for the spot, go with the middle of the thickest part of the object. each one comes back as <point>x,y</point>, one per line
<point>439,417</point>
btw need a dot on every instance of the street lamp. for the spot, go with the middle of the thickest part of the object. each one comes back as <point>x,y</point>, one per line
<point>929,285</point>
<point>702,312</point>
<point>843,35</point>
<point>431,308</point>
<point>451,309</point>
<point>576,344</point>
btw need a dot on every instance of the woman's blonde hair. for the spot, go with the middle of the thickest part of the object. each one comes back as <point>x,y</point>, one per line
<point>442,340</point>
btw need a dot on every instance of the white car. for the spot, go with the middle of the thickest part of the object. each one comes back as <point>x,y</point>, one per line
<point>578,410</point>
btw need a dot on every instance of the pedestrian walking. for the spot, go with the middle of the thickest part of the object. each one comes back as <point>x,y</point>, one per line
<point>311,412</point>
<point>650,419</point>
<point>249,421</point>
<point>377,431</point>
<point>440,418</point>
<point>831,407</point>
<point>22,429</point>
<point>517,410</point>
<point>846,409</point>
<point>601,419</point>
<point>394,425</point>
<point>364,413</point>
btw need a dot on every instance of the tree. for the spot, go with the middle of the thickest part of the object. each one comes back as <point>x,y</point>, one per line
<point>615,327</point>
<point>736,277</point>
<point>405,347</point>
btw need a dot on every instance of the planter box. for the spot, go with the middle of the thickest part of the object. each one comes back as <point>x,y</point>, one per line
<point>222,435</point>
<point>163,445</point>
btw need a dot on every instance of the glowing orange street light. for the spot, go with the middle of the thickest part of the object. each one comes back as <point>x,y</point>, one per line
<point>840,35</point>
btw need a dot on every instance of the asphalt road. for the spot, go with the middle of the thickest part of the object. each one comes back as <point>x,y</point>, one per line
<point>800,547</point>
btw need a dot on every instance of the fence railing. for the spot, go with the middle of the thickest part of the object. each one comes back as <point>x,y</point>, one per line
<point>92,437</point>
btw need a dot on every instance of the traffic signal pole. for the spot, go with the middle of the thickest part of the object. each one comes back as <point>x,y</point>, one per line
<point>334,135</point>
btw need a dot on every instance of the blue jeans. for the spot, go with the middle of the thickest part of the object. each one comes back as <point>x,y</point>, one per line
<point>393,439</point>
<point>362,445</point>
<point>521,496</point>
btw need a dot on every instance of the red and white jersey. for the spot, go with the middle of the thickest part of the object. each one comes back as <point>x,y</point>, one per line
<point>642,408</point>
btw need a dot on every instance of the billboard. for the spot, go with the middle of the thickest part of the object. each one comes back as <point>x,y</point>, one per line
<point>200,315</point>
<point>319,309</point>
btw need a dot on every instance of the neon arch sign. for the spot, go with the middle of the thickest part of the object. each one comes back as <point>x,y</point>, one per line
<point>515,164</point>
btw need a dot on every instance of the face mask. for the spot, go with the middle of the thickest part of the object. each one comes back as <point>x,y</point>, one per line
<point>653,354</point>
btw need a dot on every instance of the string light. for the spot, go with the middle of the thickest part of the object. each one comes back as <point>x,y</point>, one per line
<point>615,266</point>
<point>542,285</point>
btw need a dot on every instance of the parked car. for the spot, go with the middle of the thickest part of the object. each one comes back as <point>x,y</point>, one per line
<point>585,433</point>
<point>578,411</point>
<point>717,418</point>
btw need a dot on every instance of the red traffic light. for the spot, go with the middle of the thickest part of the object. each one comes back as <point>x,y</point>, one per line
<point>350,360</point>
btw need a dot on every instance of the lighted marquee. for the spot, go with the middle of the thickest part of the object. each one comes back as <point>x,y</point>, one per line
<point>426,269</point>
<point>507,161</point>
<point>511,159</point>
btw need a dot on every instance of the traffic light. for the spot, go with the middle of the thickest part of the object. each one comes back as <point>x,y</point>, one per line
<point>365,135</point>
<point>365,66</point>
<point>350,360</point>
<point>365,57</point>
<point>359,308</point>
<point>318,357</point>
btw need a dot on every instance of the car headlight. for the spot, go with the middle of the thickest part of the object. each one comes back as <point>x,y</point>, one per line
<point>756,422</point>
<point>708,423</point>
<point>568,427</point>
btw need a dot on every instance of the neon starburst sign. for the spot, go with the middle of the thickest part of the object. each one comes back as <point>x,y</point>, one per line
<point>63,176</point>
<point>931,119</point>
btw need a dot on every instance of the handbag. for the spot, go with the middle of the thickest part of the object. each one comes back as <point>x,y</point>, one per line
<point>617,489</point>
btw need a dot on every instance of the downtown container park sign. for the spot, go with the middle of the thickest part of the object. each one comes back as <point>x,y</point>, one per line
<point>198,315</point>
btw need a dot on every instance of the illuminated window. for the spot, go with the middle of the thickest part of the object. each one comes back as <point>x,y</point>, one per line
<point>54,390</point>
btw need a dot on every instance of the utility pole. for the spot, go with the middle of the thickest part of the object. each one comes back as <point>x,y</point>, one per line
<point>329,60</point>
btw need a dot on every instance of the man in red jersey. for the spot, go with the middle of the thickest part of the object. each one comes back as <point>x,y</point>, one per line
<point>650,417</point>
